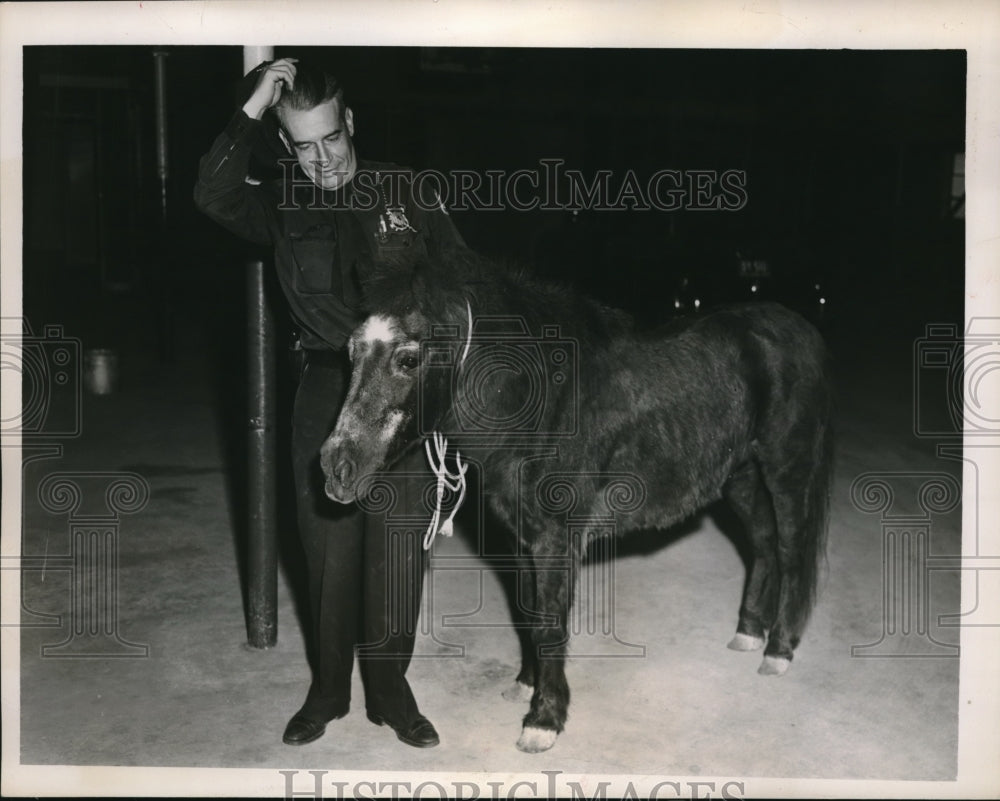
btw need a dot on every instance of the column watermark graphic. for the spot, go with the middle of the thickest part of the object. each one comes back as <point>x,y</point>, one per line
<point>907,562</point>
<point>404,527</point>
<point>591,526</point>
<point>94,503</point>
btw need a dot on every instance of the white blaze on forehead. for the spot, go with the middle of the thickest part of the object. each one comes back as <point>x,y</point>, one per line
<point>348,428</point>
<point>392,423</point>
<point>379,329</point>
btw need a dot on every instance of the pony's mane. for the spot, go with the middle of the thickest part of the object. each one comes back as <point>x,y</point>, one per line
<point>439,290</point>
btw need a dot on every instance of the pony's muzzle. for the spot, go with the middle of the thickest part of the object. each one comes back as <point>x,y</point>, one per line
<point>344,471</point>
<point>341,473</point>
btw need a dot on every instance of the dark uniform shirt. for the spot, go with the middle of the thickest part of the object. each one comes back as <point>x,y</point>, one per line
<point>326,244</point>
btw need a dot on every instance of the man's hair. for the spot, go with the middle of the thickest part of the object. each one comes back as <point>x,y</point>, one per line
<point>313,86</point>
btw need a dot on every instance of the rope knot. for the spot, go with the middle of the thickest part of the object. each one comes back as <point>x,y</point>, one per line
<point>445,479</point>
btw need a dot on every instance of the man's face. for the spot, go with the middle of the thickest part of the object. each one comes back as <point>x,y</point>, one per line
<point>320,139</point>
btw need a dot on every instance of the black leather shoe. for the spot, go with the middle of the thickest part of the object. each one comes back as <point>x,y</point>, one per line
<point>301,730</point>
<point>420,732</point>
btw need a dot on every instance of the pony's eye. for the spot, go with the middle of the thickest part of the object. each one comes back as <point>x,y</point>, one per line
<point>407,361</point>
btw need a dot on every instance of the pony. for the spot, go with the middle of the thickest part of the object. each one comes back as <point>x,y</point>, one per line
<point>733,404</point>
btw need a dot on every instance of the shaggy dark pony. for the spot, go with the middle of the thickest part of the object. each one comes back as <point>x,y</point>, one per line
<point>642,428</point>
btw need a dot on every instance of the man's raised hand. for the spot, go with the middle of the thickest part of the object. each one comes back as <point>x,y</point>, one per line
<point>274,77</point>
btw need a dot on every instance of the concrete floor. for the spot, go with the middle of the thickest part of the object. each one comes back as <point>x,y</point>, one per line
<point>685,706</point>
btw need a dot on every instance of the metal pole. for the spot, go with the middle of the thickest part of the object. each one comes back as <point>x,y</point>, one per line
<point>164,302</point>
<point>262,518</point>
<point>254,55</point>
<point>262,555</point>
<point>162,164</point>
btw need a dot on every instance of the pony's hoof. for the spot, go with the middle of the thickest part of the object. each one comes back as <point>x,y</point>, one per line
<point>534,740</point>
<point>518,692</point>
<point>774,666</point>
<point>745,642</point>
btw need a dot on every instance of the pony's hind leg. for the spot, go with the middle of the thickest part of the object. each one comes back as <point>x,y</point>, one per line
<point>798,491</point>
<point>750,500</point>
<point>788,623</point>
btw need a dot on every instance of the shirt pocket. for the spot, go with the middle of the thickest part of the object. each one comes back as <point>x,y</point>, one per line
<point>315,254</point>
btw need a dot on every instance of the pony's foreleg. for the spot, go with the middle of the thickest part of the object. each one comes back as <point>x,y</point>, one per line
<point>525,614</point>
<point>550,700</point>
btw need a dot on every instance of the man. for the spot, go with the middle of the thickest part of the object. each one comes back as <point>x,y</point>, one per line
<point>330,220</point>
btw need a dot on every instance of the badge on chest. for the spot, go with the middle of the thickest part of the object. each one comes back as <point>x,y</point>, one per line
<point>392,221</point>
<point>393,226</point>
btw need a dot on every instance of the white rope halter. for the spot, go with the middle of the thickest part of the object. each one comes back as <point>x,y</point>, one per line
<point>455,482</point>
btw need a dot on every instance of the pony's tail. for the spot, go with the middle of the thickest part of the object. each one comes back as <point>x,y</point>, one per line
<point>814,528</point>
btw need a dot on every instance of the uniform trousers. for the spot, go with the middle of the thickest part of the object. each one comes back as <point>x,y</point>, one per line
<point>365,574</point>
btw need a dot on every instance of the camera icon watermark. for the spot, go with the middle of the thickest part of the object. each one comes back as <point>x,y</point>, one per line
<point>952,375</point>
<point>508,383</point>
<point>49,367</point>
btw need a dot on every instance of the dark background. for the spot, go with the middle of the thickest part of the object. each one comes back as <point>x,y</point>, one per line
<point>849,157</point>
